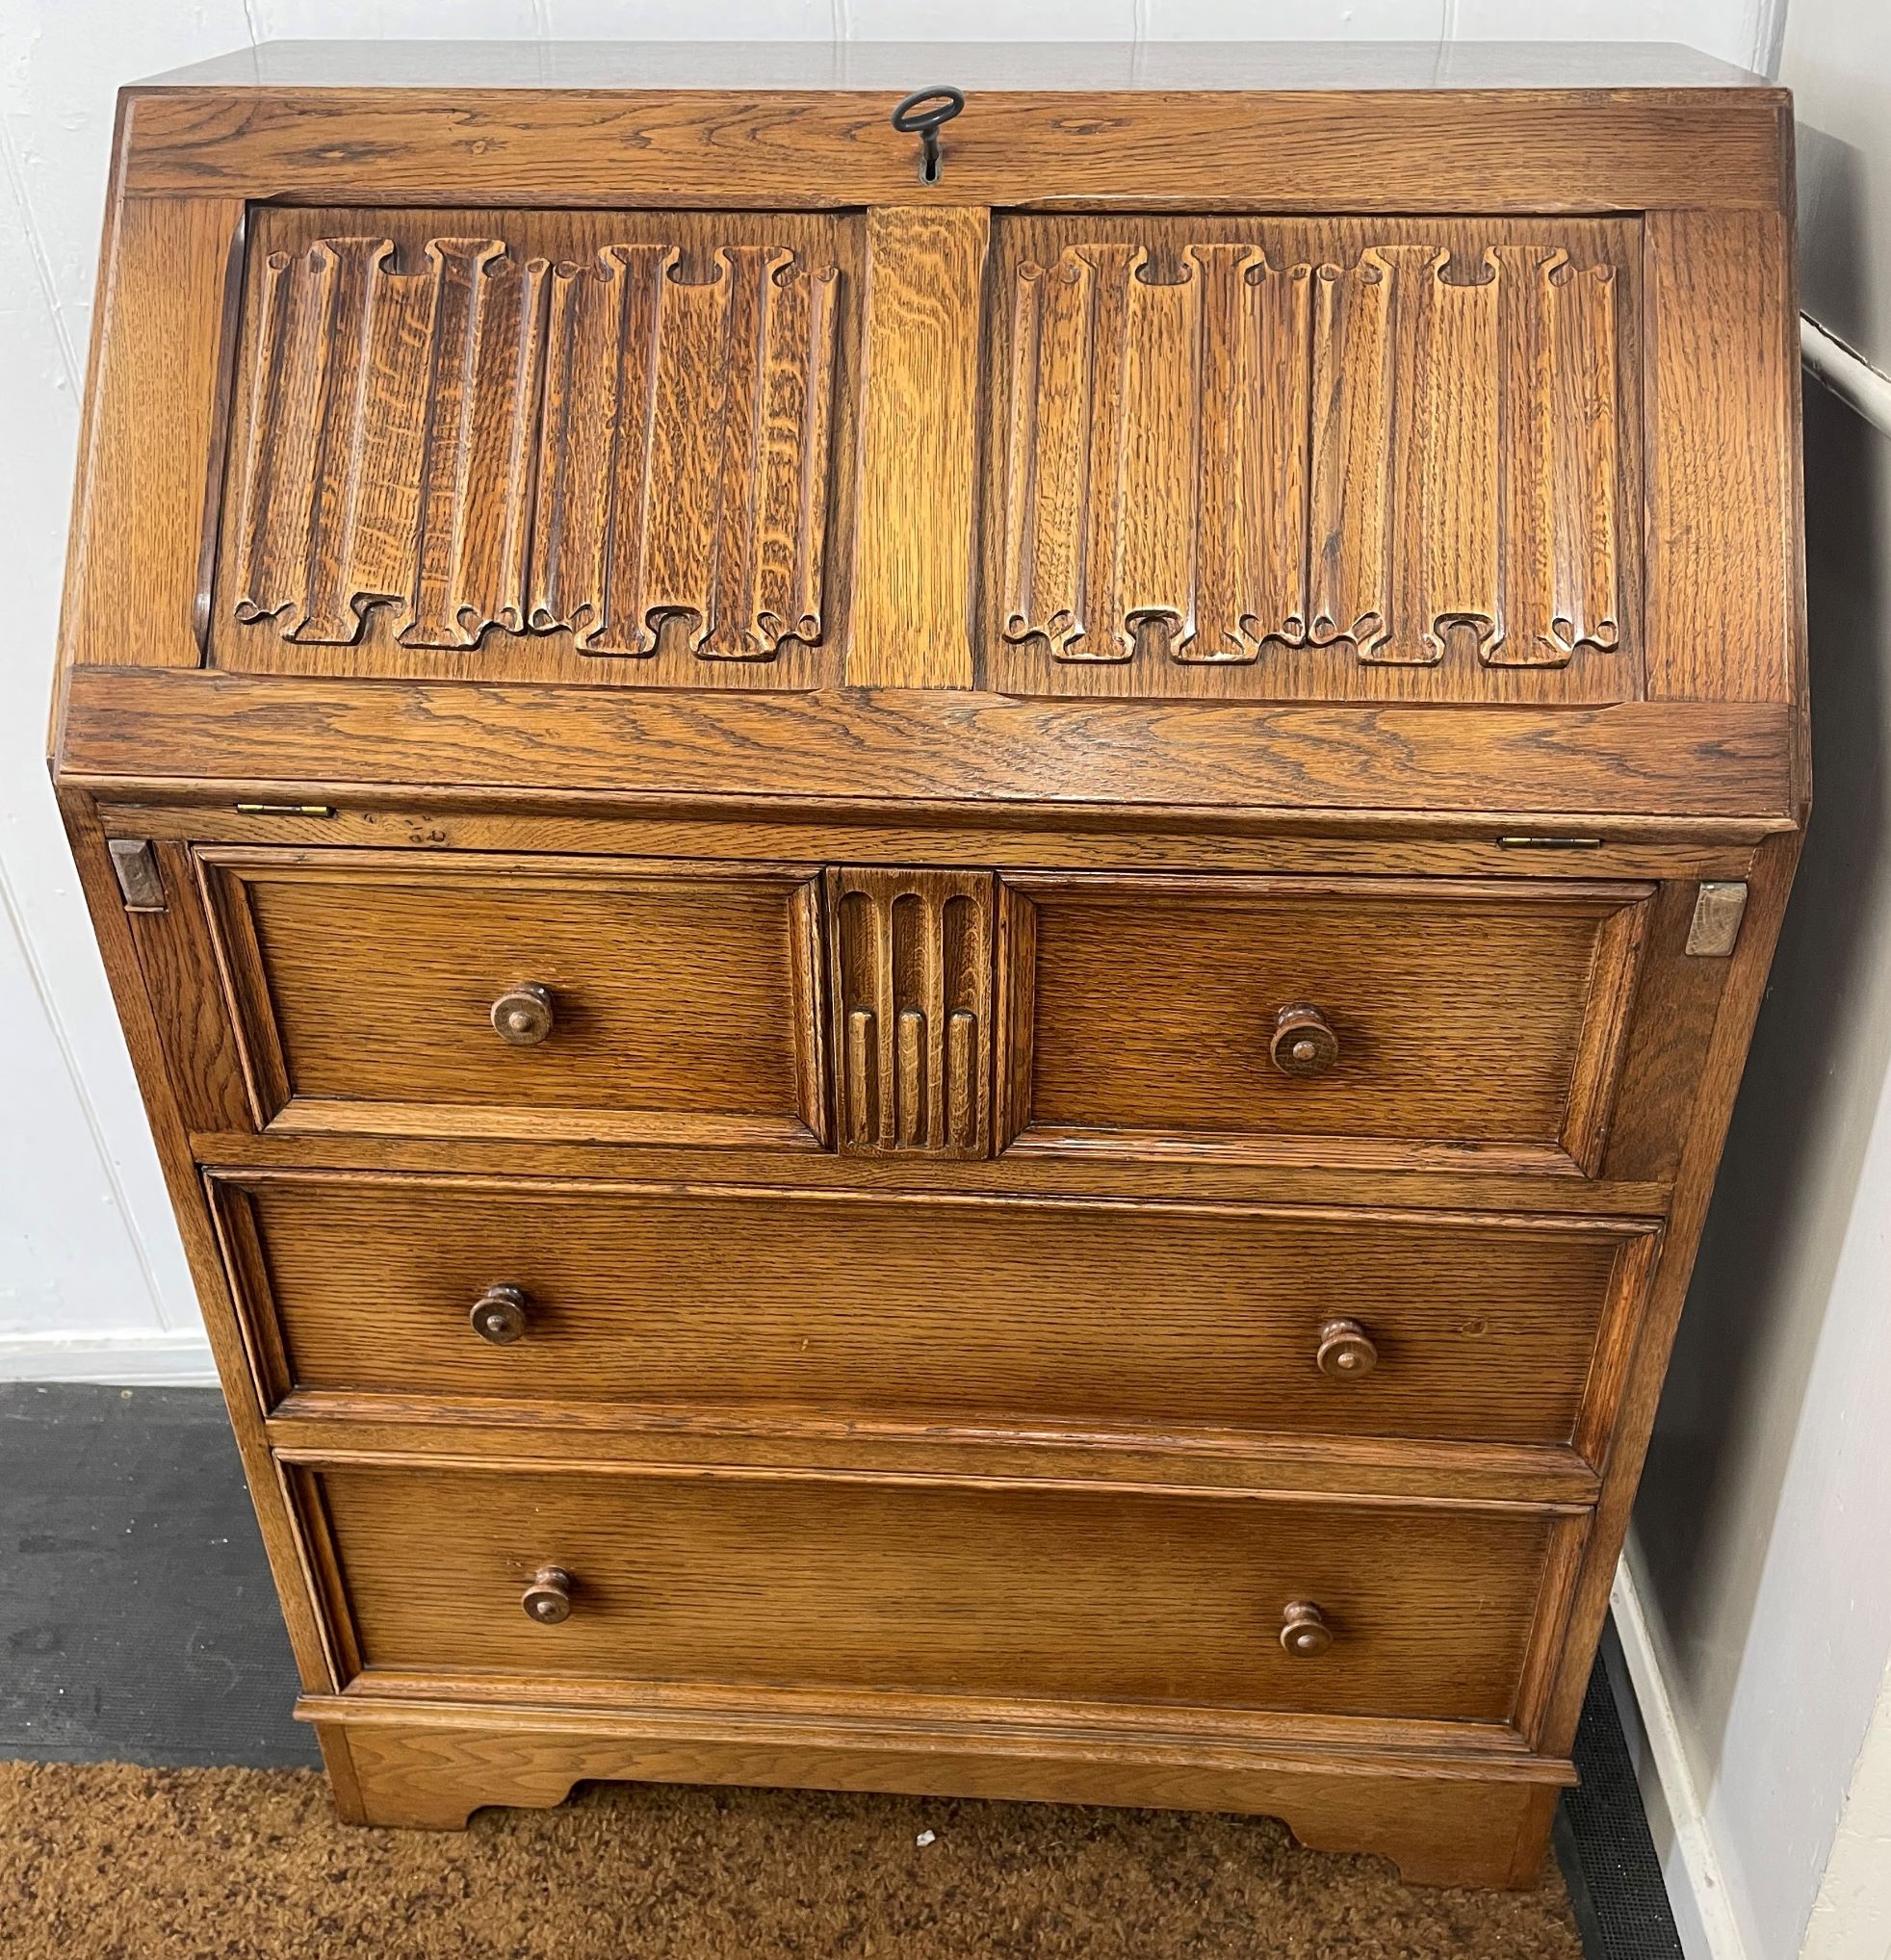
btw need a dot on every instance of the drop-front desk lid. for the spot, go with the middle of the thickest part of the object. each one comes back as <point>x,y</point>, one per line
<point>1243,429</point>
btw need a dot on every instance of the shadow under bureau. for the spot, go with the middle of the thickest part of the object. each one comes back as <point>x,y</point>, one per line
<point>940,956</point>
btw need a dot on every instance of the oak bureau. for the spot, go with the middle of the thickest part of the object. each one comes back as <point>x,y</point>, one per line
<point>939,913</point>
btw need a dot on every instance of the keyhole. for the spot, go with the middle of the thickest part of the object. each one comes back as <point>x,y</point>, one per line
<point>922,114</point>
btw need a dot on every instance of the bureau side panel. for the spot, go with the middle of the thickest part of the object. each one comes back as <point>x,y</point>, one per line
<point>1705,1134</point>
<point>165,1094</point>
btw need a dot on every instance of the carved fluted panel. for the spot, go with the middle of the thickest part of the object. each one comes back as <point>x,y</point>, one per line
<point>912,978</point>
<point>1364,451</point>
<point>586,447</point>
<point>1559,578</point>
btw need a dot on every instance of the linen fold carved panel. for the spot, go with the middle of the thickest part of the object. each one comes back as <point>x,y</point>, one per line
<point>1360,451</point>
<point>589,445</point>
<point>911,956</point>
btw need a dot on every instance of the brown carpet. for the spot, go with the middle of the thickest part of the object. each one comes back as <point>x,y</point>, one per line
<point>110,1862</point>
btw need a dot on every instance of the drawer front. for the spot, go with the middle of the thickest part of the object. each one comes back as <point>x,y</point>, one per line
<point>1373,1022</point>
<point>1015,1591</point>
<point>397,992</point>
<point>1090,1315</point>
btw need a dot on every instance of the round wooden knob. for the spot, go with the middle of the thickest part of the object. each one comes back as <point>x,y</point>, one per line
<point>1346,1351</point>
<point>499,1316</point>
<point>548,1598</point>
<point>522,1016</point>
<point>1302,1043</point>
<point>1304,1630</point>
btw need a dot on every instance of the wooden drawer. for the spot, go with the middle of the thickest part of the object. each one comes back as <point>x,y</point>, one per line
<point>671,1004</point>
<point>1019,1592</point>
<point>1088,1315</point>
<point>1377,1022</point>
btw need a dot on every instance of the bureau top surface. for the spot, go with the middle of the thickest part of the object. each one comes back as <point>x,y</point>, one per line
<point>1020,67</point>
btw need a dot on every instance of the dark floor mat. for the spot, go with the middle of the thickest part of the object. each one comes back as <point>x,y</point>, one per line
<point>137,1614</point>
<point>1603,1846</point>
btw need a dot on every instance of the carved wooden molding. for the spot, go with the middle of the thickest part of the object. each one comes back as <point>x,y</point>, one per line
<point>496,441</point>
<point>912,977</point>
<point>1312,452</point>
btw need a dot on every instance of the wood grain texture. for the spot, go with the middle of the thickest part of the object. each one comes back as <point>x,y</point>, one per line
<point>151,437</point>
<point>1154,1001</point>
<point>310,1426</point>
<point>1524,150</point>
<point>955,1311</point>
<point>587,448</point>
<point>157,1069</point>
<point>1724,617</point>
<point>853,751</point>
<point>1021,1173</point>
<point>177,963</point>
<point>912,579</point>
<point>431,1764</point>
<point>362,986</point>
<point>1705,1120</point>
<point>936,1590</point>
<point>1239,712</point>
<point>460,819</point>
<point>909,967</point>
<point>1349,459</point>
<point>1669,1041</point>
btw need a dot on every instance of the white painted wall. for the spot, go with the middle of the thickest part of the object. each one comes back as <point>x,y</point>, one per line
<point>92,1277</point>
<point>1762,1554</point>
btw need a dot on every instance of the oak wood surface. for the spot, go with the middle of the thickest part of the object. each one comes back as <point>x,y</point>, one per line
<point>1637,758</point>
<point>1474,1184</point>
<point>587,448</point>
<point>1533,150</point>
<point>935,1591</point>
<point>366,983</point>
<point>431,1764</point>
<point>926,274</point>
<point>1154,1003</point>
<point>1705,1132</point>
<point>150,441</point>
<point>1692,850</point>
<point>909,967</point>
<point>1723,495</point>
<point>329,1427</point>
<point>154,1065</point>
<point>176,960</point>
<point>1335,459</point>
<point>964,1310</point>
<point>980,818</point>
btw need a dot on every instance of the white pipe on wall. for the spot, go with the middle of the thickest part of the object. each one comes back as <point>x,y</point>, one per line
<point>1849,377</point>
